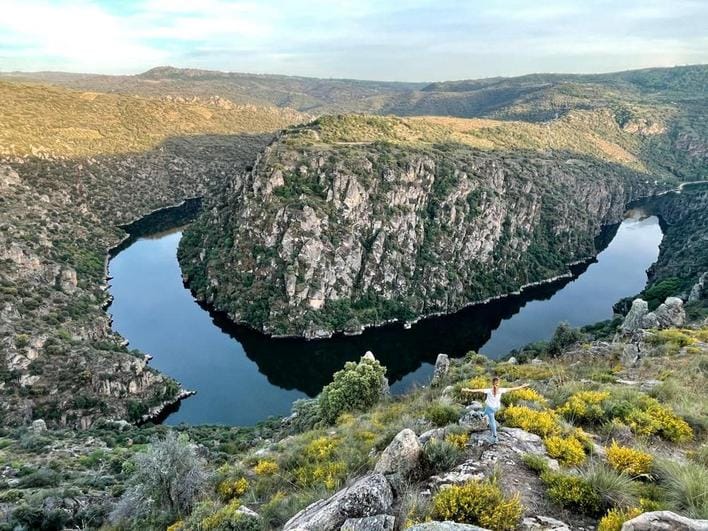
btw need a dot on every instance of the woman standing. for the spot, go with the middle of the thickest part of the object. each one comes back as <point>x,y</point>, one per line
<point>493,401</point>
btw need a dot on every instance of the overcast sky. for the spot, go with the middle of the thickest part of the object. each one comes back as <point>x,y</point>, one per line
<point>411,40</point>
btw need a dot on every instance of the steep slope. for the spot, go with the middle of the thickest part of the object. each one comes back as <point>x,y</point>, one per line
<point>356,220</point>
<point>74,166</point>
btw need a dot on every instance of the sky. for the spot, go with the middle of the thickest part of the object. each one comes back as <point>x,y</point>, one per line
<point>411,40</point>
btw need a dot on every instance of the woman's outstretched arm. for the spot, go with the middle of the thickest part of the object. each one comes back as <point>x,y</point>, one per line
<point>517,387</point>
<point>466,390</point>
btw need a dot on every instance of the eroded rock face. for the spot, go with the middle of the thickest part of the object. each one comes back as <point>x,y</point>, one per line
<point>369,496</point>
<point>699,291</point>
<point>338,237</point>
<point>442,365</point>
<point>401,458</point>
<point>669,314</point>
<point>380,522</point>
<point>664,521</point>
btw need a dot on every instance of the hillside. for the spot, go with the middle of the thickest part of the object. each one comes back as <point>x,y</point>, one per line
<point>355,220</point>
<point>73,167</point>
<point>613,426</point>
<point>668,105</point>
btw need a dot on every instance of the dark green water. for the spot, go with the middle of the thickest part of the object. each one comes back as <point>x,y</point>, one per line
<point>242,377</point>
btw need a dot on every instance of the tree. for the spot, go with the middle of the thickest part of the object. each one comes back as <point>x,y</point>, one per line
<point>168,478</point>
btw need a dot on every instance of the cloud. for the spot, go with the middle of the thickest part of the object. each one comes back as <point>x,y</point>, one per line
<point>415,40</point>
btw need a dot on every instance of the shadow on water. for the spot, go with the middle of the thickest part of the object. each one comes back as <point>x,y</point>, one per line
<point>242,376</point>
<point>308,365</point>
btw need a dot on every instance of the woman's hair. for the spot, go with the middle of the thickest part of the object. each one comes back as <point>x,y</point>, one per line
<point>495,379</point>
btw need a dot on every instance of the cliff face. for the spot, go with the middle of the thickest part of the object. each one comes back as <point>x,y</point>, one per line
<point>320,238</point>
<point>62,196</point>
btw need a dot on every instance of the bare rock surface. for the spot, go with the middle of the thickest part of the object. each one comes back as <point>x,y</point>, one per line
<point>664,521</point>
<point>369,496</point>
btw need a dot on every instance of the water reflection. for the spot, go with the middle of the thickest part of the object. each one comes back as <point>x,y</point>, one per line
<point>242,376</point>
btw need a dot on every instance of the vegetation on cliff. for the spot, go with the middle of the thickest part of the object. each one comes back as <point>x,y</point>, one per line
<point>355,220</point>
<point>73,167</point>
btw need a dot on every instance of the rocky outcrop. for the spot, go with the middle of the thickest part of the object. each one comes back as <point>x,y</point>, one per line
<point>664,521</point>
<point>543,523</point>
<point>669,314</point>
<point>401,458</point>
<point>380,522</point>
<point>442,365</point>
<point>699,290</point>
<point>369,496</point>
<point>474,418</point>
<point>320,238</point>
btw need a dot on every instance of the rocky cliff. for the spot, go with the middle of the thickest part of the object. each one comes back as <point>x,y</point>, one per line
<point>63,194</point>
<point>330,233</point>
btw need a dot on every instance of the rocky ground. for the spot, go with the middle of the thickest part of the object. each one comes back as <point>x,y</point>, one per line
<point>386,467</point>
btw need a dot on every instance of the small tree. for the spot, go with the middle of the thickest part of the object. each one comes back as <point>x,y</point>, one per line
<point>357,386</point>
<point>168,479</point>
<point>564,336</point>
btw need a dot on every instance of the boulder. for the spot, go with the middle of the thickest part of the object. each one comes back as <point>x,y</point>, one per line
<point>380,522</point>
<point>445,526</point>
<point>401,457</point>
<point>670,313</point>
<point>543,523</point>
<point>699,291</point>
<point>442,365</point>
<point>369,496</point>
<point>435,433</point>
<point>512,361</point>
<point>664,520</point>
<point>474,418</point>
<point>38,426</point>
<point>635,317</point>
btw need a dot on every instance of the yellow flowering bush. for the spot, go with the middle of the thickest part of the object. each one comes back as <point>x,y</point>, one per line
<point>266,467</point>
<point>614,519</point>
<point>543,423</point>
<point>584,406</point>
<point>331,474</point>
<point>659,420</point>
<point>177,526</point>
<point>228,517</point>
<point>458,439</point>
<point>568,450</point>
<point>628,460</point>
<point>570,491</point>
<point>232,488</point>
<point>523,395</point>
<point>480,503</point>
<point>321,447</point>
<point>525,372</point>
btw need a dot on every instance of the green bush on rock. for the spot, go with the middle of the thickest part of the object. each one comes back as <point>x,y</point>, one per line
<point>356,387</point>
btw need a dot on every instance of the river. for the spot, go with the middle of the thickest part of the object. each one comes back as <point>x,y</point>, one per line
<point>242,377</point>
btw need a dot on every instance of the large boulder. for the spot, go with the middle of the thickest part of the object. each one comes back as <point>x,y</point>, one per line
<point>445,526</point>
<point>635,317</point>
<point>401,457</point>
<point>380,522</point>
<point>542,523</point>
<point>442,365</point>
<point>670,313</point>
<point>474,418</point>
<point>369,496</point>
<point>664,521</point>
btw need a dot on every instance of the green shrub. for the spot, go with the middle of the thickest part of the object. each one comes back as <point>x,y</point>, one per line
<point>535,462</point>
<point>612,488</point>
<point>685,487</point>
<point>571,491</point>
<point>442,414</point>
<point>479,503</point>
<point>564,336</point>
<point>614,519</point>
<point>440,455</point>
<point>307,415</point>
<point>356,387</point>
